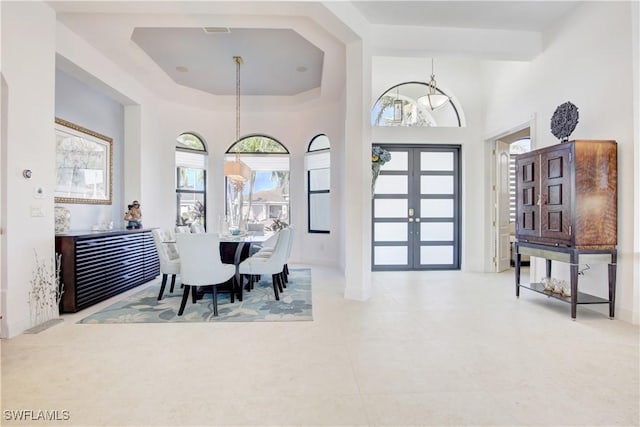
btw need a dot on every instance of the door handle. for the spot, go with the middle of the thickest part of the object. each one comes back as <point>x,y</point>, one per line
<point>417,219</point>
<point>410,211</point>
<point>410,219</point>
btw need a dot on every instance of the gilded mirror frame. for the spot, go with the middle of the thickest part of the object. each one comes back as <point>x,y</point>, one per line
<point>84,165</point>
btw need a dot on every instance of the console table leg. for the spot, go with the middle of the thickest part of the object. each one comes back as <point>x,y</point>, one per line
<point>574,289</point>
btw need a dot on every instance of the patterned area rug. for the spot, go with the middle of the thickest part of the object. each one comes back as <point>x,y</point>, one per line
<point>259,305</point>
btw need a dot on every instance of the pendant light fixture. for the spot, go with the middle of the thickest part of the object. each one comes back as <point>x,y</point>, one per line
<point>434,99</point>
<point>237,170</point>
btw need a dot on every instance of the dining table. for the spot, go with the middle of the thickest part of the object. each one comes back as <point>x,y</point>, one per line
<point>236,248</point>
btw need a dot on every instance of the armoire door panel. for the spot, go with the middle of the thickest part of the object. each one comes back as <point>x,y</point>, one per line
<point>555,209</point>
<point>527,208</point>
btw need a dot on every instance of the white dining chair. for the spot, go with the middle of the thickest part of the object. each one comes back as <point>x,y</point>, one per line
<point>164,241</point>
<point>201,266</point>
<point>273,264</point>
<point>285,267</point>
<point>266,248</point>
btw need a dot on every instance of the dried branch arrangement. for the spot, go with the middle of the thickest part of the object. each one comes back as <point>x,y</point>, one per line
<point>46,290</point>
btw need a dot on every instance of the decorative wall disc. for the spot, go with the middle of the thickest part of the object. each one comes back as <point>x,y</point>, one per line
<point>564,121</point>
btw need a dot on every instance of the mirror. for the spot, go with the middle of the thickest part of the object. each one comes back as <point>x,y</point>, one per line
<point>83,165</point>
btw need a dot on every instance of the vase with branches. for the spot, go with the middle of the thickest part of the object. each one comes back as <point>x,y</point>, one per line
<point>46,290</point>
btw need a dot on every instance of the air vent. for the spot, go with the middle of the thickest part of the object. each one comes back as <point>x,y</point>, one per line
<point>216,30</point>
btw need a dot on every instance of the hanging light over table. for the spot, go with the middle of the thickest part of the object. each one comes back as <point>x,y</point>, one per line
<point>236,169</point>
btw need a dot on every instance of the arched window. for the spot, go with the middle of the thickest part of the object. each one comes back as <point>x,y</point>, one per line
<point>318,167</point>
<point>264,197</point>
<point>405,105</point>
<point>191,179</point>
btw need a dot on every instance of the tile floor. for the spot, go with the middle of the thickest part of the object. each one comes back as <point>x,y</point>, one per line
<point>429,348</point>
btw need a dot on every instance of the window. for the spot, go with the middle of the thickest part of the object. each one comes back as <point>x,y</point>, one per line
<point>264,197</point>
<point>318,167</point>
<point>402,105</point>
<point>191,180</point>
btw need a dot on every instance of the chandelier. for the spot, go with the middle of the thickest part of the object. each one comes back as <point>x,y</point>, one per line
<point>237,170</point>
<point>434,99</point>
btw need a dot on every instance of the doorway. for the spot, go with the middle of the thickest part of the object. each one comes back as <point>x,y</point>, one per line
<point>416,209</point>
<point>505,150</point>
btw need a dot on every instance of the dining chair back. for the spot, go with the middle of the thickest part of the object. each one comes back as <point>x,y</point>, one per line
<point>201,265</point>
<point>273,264</point>
<point>164,241</point>
<point>285,267</point>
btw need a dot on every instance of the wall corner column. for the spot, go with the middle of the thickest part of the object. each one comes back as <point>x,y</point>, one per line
<point>357,183</point>
<point>132,163</point>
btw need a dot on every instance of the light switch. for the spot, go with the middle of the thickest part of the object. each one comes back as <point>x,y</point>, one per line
<point>36,211</point>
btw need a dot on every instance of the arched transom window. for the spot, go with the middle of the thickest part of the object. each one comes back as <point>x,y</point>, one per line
<point>406,104</point>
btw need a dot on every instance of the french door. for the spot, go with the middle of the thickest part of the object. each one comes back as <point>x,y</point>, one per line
<point>416,209</point>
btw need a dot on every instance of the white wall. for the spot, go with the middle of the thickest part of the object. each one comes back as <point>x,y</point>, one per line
<point>459,77</point>
<point>85,106</point>
<point>635,23</point>
<point>28,63</point>
<point>586,61</point>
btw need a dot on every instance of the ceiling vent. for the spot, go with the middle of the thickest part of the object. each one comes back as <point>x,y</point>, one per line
<point>216,30</point>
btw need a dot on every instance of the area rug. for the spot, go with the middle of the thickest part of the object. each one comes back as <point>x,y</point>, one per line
<point>259,305</point>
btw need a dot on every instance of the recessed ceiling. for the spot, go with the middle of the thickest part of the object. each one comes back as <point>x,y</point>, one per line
<point>275,61</point>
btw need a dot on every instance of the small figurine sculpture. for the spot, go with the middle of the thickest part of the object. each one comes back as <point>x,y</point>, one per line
<point>133,216</point>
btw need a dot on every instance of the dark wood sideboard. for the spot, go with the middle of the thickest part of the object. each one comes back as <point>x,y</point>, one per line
<point>97,265</point>
<point>567,211</point>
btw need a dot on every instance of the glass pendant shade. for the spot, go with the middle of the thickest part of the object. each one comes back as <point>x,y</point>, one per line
<point>434,101</point>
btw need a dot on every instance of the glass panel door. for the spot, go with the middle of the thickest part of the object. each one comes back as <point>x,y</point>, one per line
<point>416,209</point>
<point>437,221</point>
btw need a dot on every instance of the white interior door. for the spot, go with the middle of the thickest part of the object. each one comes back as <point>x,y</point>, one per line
<point>502,227</point>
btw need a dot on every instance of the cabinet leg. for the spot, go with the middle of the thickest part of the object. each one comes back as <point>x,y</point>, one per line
<point>574,289</point>
<point>612,290</point>
<point>548,265</point>
<point>518,260</point>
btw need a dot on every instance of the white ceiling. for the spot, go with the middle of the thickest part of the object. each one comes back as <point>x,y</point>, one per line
<point>276,40</point>
<point>500,15</point>
<point>274,61</point>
